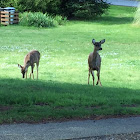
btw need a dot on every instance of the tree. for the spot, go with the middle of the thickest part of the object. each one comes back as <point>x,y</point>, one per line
<point>83,8</point>
<point>33,5</point>
<point>69,8</point>
<point>8,3</point>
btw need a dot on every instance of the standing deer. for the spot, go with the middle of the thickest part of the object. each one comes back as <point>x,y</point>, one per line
<point>29,60</point>
<point>94,61</point>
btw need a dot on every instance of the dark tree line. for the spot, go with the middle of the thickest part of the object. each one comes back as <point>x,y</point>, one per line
<point>70,8</point>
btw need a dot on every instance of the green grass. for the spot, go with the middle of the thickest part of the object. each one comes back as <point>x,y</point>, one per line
<point>137,17</point>
<point>62,91</point>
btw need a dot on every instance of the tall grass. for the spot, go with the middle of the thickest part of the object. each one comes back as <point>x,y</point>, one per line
<point>39,19</point>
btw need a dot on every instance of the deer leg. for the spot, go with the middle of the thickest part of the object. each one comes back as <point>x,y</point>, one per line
<point>89,75</point>
<point>32,67</point>
<point>98,81</point>
<point>37,72</point>
<point>30,75</point>
<point>26,74</point>
<point>32,71</point>
<point>92,76</point>
<point>33,75</point>
<point>37,69</point>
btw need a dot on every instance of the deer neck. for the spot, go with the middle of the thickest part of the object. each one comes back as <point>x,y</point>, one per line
<point>26,65</point>
<point>94,59</point>
<point>95,54</point>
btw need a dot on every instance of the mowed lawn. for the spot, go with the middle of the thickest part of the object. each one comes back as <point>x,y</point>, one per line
<point>62,91</point>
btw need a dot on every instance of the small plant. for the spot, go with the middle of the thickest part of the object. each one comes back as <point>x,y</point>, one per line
<point>39,19</point>
<point>60,20</point>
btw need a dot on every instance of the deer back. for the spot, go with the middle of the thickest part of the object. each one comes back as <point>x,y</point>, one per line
<point>31,58</point>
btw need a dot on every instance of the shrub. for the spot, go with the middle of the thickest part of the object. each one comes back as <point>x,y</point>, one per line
<point>60,20</point>
<point>39,19</point>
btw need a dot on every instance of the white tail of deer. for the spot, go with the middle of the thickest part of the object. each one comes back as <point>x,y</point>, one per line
<point>30,59</point>
<point>94,61</point>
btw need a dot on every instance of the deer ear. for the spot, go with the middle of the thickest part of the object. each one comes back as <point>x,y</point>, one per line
<point>19,66</point>
<point>102,41</point>
<point>93,41</point>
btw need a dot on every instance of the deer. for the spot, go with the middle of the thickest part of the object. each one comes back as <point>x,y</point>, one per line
<point>94,61</point>
<point>30,59</point>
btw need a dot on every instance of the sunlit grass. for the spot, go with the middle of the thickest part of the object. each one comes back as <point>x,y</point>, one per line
<point>137,17</point>
<point>62,90</point>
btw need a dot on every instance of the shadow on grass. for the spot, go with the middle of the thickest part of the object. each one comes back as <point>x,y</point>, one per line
<point>29,87</point>
<point>31,100</point>
<point>116,20</point>
<point>110,20</point>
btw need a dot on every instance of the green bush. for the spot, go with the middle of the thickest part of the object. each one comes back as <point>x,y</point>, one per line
<point>39,19</point>
<point>60,20</point>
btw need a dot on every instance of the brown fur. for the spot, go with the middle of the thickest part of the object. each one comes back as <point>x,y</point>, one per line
<point>94,61</point>
<point>30,59</point>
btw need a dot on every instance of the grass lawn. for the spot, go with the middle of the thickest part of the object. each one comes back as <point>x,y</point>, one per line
<point>62,91</point>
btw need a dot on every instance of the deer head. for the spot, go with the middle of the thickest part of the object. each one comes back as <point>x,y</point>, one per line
<point>97,45</point>
<point>23,70</point>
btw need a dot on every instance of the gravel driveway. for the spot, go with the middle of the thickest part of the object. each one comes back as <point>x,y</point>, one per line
<point>107,129</point>
<point>131,136</point>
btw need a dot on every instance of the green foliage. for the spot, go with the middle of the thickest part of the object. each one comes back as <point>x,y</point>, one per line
<point>9,3</point>
<point>85,9</point>
<point>37,5</point>
<point>39,19</point>
<point>60,20</point>
<point>50,6</point>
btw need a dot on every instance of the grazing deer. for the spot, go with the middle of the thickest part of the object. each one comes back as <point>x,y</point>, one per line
<point>94,61</point>
<point>29,60</point>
